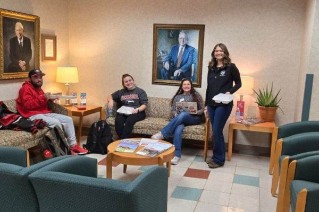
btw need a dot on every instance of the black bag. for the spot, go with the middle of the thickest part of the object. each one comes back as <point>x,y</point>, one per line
<point>56,142</point>
<point>99,137</point>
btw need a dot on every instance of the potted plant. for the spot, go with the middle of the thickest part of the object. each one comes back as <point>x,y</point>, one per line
<point>268,102</point>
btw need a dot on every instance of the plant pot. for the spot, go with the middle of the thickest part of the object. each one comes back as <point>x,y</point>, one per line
<point>267,113</point>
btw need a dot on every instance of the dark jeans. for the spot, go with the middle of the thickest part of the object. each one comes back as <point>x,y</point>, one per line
<point>124,123</point>
<point>218,116</point>
<point>175,128</point>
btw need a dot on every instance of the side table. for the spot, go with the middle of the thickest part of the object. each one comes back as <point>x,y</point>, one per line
<point>265,127</point>
<point>74,111</point>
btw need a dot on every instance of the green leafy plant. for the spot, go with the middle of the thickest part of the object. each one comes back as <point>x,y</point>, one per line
<point>267,97</point>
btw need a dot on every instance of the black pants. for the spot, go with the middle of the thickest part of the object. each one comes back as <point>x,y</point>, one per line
<point>124,123</point>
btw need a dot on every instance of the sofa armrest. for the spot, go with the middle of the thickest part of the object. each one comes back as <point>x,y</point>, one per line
<point>14,155</point>
<point>55,190</point>
<point>57,108</point>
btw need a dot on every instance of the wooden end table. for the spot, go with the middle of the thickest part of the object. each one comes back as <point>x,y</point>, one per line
<point>74,111</point>
<point>265,127</point>
<point>135,159</point>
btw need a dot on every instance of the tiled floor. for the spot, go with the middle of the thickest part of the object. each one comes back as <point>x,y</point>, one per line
<point>243,184</point>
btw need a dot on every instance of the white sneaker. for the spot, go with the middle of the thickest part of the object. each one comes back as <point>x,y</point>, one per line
<point>175,160</point>
<point>158,135</point>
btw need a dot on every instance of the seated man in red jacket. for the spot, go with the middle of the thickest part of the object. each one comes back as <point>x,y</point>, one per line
<point>33,104</point>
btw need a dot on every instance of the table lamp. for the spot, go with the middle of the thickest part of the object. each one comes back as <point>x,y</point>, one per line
<point>247,85</point>
<point>67,75</point>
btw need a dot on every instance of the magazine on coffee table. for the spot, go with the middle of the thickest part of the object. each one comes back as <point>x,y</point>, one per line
<point>190,107</point>
<point>146,141</point>
<point>125,110</point>
<point>127,145</point>
<point>154,148</point>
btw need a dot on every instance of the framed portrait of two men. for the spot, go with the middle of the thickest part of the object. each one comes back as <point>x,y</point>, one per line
<point>177,53</point>
<point>19,39</point>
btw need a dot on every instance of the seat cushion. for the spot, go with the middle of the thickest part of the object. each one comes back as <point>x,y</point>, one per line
<point>21,138</point>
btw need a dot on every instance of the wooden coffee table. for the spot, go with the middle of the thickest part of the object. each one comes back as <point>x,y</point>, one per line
<point>137,160</point>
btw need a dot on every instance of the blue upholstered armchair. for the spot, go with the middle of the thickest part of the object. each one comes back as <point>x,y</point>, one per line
<point>16,191</point>
<point>72,185</point>
<point>302,185</point>
<point>292,148</point>
<point>293,129</point>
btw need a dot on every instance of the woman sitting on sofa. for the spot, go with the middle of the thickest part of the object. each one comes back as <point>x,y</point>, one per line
<point>130,96</point>
<point>182,115</point>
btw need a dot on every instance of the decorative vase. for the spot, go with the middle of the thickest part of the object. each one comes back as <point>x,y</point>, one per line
<point>267,113</point>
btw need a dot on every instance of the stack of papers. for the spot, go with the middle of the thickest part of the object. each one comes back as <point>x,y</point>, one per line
<point>125,110</point>
<point>224,98</point>
<point>154,148</point>
<point>146,141</point>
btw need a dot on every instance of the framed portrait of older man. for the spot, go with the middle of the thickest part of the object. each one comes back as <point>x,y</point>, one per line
<point>177,53</point>
<point>19,38</point>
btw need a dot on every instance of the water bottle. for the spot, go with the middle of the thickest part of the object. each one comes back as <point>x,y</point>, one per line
<point>238,117</point>
<point>109,112</point>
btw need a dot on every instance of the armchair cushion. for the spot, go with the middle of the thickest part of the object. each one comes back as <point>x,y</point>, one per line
<point>16,191</point>
<point>312,203</point>
<point>298,127</point>
<point>61,189</point>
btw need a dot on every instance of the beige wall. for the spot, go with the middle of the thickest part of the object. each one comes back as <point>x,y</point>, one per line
<point>313,67</point>
<point>53,20</point>
<point>106,38</point>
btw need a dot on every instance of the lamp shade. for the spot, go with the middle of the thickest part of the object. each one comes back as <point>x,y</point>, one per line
<point>67,75</point>
<point>247,85</point>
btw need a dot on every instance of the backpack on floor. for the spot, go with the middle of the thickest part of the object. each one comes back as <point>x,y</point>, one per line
<point>55,142</point>
<point>99,137</point>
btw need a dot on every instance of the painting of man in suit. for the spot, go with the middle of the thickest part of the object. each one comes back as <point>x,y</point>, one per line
<point>20,50</point>
<point>178,63</point>
<point>178,53</point>
<point>19,33</point>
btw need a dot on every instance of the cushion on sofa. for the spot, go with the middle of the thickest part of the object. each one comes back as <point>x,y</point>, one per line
<point>23,139</point>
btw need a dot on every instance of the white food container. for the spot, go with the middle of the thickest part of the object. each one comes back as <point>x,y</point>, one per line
<point>223,98</point>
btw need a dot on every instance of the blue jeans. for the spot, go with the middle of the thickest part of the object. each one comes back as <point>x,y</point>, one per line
<point>175,128</point>
<point>218,116</point>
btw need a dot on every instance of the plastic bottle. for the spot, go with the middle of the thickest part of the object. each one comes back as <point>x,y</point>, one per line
<point>82,105</point>
<point>238,117</point>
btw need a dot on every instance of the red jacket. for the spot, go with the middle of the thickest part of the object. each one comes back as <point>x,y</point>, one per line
<point>31,101</point>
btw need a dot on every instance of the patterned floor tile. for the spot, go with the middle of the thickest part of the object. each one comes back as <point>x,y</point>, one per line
<point>187,193</point>
<point>246,180</point>
<point>197,173</point>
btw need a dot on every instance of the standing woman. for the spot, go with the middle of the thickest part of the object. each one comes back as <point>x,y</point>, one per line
<point>221,76</point>
<point>185,93</point>
<point>130,96</point>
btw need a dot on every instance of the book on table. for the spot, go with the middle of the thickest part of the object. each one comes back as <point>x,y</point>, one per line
<point>190,107</point>
<point>154,148</point>
<point>125,110</point>
<point>127,145</point>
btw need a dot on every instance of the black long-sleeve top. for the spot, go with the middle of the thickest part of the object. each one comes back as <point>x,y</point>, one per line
<point>221,80</point>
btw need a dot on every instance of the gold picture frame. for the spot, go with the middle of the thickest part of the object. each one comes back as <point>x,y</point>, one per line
<point>48,47</point>
<point>166,49</point>
<point>18,57</point>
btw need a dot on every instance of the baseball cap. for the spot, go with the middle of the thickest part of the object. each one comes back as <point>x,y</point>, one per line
<point>35,72</point>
